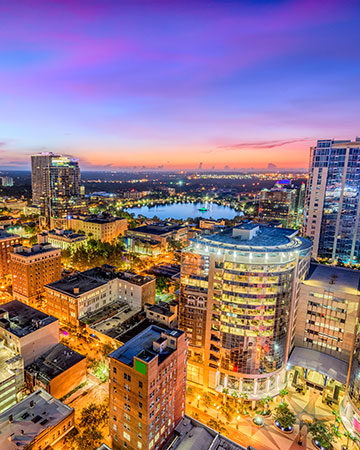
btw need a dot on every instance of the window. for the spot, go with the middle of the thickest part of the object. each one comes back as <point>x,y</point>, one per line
<point>140,415</point>
<point>139,444</point>
<point>126,436</point>
<point>140,405</point>
<point>140,385</point>
<point>114,369</point>
<point>127,377</point>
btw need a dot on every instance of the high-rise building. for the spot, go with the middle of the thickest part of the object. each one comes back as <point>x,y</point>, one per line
<point>32,268</point>
<point>283,203</point>
<point>147,389</point>
<point>39,178</point>
<point>7,242</point>
<point>55,183</point>
<point>238,299</point>
<point>333,200</point>
<point>7,181</point>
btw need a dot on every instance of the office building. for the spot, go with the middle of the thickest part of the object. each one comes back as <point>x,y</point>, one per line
<point>101,227</point>
<point>7,181</point>
<point>147,388</point>
<point>283,203</point>
<point>58,371</point>
<point>65,239</point>
<point>39,421</point>
<point>11,377</point>
<point>32,268</point>
<point>27,331</point>
<point>81,295</point>
<point>326,322</point>
<point>163,313</point>
<point>239,296</point>
<point>7,242</point>
<point>333,201</point>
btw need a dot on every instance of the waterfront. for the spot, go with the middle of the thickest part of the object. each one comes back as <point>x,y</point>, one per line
<point>185,210</point>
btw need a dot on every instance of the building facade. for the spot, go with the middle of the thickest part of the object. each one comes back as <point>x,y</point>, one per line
<point>238,299</point>
<point>147,389</point>
<point>103,227</point>
<point>7,242</point>
<point>32,268</point>
<point>333,201</point>
<point>27,331</point>
<point>11,377</point>
<point>39,176</point>
<point>65,239</point>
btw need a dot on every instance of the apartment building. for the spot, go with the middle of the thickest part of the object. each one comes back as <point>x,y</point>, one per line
<point>32,268</point>
<point>147,388</point>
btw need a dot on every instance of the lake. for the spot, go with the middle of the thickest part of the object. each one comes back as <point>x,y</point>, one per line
<point>185,210</point>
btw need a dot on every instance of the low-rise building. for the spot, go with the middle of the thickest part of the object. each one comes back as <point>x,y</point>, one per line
<point>32,268</point>
<point>147,388</point>
<point>57,371</point>
<point>27,331</point>
<point>65,239</point>
<point>193,435</point>
<point>136,290</point>
<point>163,313</point>
<point>75,297</point>
<point>39,421</point>
<point>102,227</point>
<point>7,242</point>
<point>154,238</point>
<point>11,377</point>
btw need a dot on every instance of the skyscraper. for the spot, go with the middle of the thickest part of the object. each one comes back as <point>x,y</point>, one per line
<point>39,180</point>
<point>238,299</point>
<point>55,183</point>
<point>333,200</point>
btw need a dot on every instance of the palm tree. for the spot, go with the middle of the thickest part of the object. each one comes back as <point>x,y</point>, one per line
<point>350,437</point>
<point>337,418</point>
<point>243,398</point>
<point>217,425</point>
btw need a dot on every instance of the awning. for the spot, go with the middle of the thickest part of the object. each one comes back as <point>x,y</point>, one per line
<point>320,362</point>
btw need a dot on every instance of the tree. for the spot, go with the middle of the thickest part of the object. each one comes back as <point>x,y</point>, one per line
<point>323,434</point>
<point>283,393</point>
<point>89,439</point>
<point>228,411</point>
<point>350,437</point>
<point>264,403</point>
<point>206,399</point>
<point>284,416</point>
<point>217,425</point>
<point>243,398</point>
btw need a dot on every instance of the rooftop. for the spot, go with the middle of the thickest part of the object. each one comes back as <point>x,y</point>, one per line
<point>264,239</point>
<point>162,308</point>
<point>6,357</point>
<point>6,235</point>
<point>193,435</point>
<point>156,228</point>
<point>80,283</point>
<point>54,362</point>
<point>29,421</point>
<point>141,346</point>
<point>101,218</point>
<point>21,320</point>
<point>134,278</point>
<point>68,234</point>
<point>337,279</point>
<point>36,249</point>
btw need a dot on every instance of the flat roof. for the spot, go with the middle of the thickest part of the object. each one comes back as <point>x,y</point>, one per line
<point>36,249</point>
<point>22,319</point>
<point>6,355</point>
<point>141,346</point>
<point>134,278</point>
<point>266,239</point>
<point>100,219</point>
<point>337,279</point>
<point>68,234</point>
<point>6,235</point>
<point>156,228</point>
<point>193,435</point>
<point>84,281</point>
<point>320,362</point>
<point>28,422</point>
<point>54,362</point>
<point>160,308</point>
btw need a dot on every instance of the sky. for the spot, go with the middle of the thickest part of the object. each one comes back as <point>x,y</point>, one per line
<point>124,83</point>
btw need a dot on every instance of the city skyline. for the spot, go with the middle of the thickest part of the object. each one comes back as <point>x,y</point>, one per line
<point>157,84</point>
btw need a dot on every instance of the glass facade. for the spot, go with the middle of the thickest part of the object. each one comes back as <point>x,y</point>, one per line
<point>333,206</point>
<point>236,306</point>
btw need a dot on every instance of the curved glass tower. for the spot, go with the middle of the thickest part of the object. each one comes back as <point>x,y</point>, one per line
<point>238,300</point>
